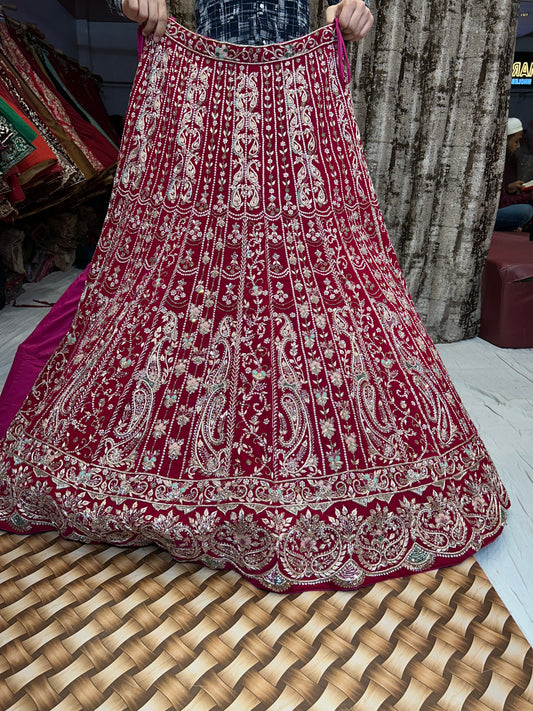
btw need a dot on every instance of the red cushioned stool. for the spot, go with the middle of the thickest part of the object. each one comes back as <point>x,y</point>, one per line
<point>507,291</point>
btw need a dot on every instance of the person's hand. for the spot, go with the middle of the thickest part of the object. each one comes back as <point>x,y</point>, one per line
<point>152,14</point>
<point>514,188</point>
<point>355,19</point>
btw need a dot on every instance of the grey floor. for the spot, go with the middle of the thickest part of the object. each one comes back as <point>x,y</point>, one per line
<point>497,388</point>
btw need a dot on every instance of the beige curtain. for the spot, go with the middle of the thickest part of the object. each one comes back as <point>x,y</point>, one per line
<point>431,90</point>
<point>183,11</point>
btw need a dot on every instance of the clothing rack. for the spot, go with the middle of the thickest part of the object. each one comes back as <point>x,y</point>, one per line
<point>53,198</point>
<point>41,37</point>
<point>4,7</point>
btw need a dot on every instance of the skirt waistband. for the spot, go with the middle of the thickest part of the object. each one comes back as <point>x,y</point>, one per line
<point>250,54</point>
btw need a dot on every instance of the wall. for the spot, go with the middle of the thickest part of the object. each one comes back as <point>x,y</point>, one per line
<point>51,18</point>
<point>110,50</point>
<point>106,48</point>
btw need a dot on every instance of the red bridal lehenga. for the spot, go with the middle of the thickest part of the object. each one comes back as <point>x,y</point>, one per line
<point>246,382</point>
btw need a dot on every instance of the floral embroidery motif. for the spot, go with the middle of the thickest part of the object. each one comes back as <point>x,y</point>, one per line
<point>245,191</point>
<point>302,136</point>
<point>247,382</point>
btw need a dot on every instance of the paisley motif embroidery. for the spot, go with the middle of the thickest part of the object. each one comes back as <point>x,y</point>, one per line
<point>247,382</point>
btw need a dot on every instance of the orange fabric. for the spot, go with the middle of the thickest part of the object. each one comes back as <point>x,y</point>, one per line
<point>42,158</point>
<point>75,154</point>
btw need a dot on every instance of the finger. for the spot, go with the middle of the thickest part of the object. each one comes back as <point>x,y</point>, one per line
<point>161,25</point>
<point>130,9</point>
<point>156,22</point>
<point>147,17</point>
<point>355,19</point>
<point>332,12</point>
<point>353,22</point>
<point>364,30</point>
<point>347,12</point>
<point>360,25</point>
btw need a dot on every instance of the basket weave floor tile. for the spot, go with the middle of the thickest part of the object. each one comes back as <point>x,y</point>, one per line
<point>86,627</point>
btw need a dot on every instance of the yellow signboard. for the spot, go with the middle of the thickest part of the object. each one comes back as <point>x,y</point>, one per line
<point>522,70</point>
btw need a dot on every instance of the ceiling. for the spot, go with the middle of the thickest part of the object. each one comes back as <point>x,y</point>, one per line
<point>525,19</point>
<point>93,10</point>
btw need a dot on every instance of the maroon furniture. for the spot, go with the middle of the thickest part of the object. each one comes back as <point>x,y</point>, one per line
<point>507,291</point>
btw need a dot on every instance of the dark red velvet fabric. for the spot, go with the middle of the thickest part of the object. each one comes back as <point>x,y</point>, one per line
<point>507,292</point>
<point>246,381</point>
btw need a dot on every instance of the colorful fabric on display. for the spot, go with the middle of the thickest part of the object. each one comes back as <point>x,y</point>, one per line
<point>7,209</point>
<point>48,147</point>
<point>60,85</point>
<point>33,106</point>
<point>91,135</point>
<point>19,125</point>
<point>41,158</point>
<point>39,86</point>
<point>16,138</point>
<point>84,87</point>
<point>246,382</point>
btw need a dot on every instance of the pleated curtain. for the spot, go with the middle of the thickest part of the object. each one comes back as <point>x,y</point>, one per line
<point>431,91</point>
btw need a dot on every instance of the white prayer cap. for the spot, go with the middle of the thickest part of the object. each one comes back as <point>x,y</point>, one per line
<point>514,125</point>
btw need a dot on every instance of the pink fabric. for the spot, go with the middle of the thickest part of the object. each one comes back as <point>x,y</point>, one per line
<point>33,353</point>
<point>342,55</point>
<point>140,42</point>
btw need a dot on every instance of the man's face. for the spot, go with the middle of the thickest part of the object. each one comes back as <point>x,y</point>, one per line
<point>513,142</point>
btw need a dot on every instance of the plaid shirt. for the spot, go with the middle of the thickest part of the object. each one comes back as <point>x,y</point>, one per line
<point>250,21</point>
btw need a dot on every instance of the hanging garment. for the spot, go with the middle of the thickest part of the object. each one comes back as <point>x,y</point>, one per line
<point>15,136</point>
<point>246,382</point>
<point>21,62</point>
<point>84,87</point>
<point>92,137</point>
<point>41,160</point>
<point>11,91</point>
<point>7,210</point>
<point>43,55</point>
<point>27,97</point>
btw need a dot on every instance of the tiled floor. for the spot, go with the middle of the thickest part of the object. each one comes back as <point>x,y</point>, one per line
<point>497,388</point>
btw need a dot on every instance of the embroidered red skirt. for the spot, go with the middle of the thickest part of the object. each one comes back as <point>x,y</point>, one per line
<point>246,382</point>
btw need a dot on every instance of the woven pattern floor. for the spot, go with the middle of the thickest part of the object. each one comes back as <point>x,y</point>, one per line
<point>86,627</point>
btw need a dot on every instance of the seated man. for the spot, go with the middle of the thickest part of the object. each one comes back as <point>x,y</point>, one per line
<point>515,204</point>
